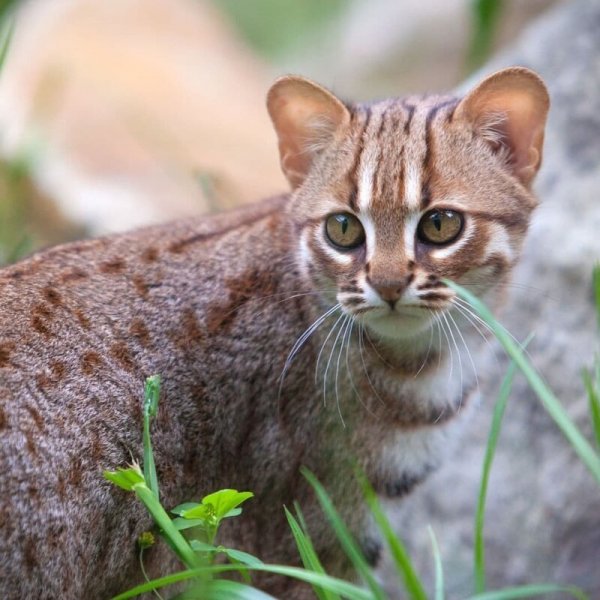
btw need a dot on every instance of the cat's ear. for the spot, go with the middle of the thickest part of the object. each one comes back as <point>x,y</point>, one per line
<point>306,118</point>
<point>509,109</point>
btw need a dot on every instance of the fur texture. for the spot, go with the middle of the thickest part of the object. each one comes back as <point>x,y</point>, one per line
<point>277,347</point>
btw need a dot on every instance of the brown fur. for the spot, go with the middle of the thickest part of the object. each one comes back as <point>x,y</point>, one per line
<point>215,306</point>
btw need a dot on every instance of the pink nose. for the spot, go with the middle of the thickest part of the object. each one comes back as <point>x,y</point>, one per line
<point>390,293</point>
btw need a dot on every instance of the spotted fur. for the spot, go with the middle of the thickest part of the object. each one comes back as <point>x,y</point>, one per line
<point>276,348</point>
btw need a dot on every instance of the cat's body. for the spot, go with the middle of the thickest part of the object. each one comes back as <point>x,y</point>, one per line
<point>216,306</point>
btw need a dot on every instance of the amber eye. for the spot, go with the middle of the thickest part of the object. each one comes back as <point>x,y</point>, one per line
<point>440,226</point>
<point>344,231</point>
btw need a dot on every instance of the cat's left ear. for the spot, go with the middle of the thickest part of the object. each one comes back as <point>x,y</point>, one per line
<point>306,118</point>
<point>509,109</point>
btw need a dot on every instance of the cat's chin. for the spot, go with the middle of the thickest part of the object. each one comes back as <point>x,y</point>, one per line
<point>404,324</point>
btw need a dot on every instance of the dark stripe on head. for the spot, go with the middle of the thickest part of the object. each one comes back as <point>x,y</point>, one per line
<point>353,172</point>
<point>410,108</point>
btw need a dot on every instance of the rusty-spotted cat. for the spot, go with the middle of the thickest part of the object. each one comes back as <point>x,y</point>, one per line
<point>310,329</point>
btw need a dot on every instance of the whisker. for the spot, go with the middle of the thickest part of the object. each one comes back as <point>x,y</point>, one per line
<point>458,356</point>
<point>333,347</point>
<point>428,348</point>
<point>302,340</point>
<point>452,320</point>
<point>346,328</point>
<point>362,357</point>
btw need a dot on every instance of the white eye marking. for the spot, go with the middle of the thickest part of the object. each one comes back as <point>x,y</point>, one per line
<point>370,236</point>
<point>412,188</point>
<point>365,186</point>
<point>499,242</point>
<point>339,257</point>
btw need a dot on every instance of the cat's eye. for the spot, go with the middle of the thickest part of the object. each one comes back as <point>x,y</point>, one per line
<point>440,226</point>
<point>344,231</point>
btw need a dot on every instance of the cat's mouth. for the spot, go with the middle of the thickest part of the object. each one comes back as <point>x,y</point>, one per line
<point>402,321</point>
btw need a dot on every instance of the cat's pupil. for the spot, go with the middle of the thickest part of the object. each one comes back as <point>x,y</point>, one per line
<point>344,223</point>
<point>437,221</point>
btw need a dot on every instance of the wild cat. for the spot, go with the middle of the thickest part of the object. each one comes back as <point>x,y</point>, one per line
<point>312,329</point>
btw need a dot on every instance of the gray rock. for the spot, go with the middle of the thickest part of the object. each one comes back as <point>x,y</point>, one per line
<point>543,514</point>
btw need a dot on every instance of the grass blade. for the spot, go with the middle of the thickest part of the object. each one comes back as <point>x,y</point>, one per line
<point>550,402</point>
<point>479,547</point>
<point>400,556</point>
<point>593,393</point>
<point>151,396</point>
<point>309,557</point>
<point>530,591</point>
<point>346,540</point>
<point>339,586</point>
<point>439,570</point>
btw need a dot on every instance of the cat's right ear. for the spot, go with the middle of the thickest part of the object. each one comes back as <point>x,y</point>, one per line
<point>306,118</point>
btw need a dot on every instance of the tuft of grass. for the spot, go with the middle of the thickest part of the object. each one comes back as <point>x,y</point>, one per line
<point>550,402</point>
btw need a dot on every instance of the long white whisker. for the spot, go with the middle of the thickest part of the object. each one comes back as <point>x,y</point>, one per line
<point>449,346</point>
<point>333,347</point>
<point>302,340</point>
<point>446,315</point>
<point>323,346</point>
<point>362,358</point>
<point>453,321</point>
<point>345,328</point>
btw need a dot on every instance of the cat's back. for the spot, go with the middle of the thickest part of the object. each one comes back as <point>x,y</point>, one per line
<point>81,327</point>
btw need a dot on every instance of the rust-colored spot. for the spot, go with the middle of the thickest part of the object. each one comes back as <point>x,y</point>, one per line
<point>113,266</point>
<point>96,448</point>
<point>90,361</point>
<point>141,286</point>
<point>121,354</point>
<point>42,311</point>
<point>29,553</point>
<point>38,324</point>
<point>190,324</point>
<point>30,443</point>
<point>150,254</point>
<point>52,296</point>
<point>82,318</point>
<point>3,419</point>
<point>58,370</point>
<point>241,289</point>
<point>61,486</point>
<point>5,352</point>
<point>75,274</point>
<point>139,331</point>
<point>75,468</point>
<point>35,415</point>
<point>16,274</point>
<point>42,380</point>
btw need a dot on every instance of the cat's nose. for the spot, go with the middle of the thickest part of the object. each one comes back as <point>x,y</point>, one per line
<point>390,293</point>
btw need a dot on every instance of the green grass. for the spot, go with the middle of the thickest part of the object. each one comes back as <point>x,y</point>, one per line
<point>201,520</point>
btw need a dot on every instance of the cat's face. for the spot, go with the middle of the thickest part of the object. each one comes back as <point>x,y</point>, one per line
<point>402,193</point>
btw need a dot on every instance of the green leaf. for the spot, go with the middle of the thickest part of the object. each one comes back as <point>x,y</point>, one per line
<point>400,556</point>
<point>479,547</point>
<point>234,512</point>
<point>127,478</point>
<point>225,500</point>
<point>307,553</point>
<point>242,557</point>
<point>181,508</point>
<point>182,524</point>
<point>223,589</point>
<point>199,546</point>
<point>550,402</point>
<point>199,512</point>
<point>347,541</point>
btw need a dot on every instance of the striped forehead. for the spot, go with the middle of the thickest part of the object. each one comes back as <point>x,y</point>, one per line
<point>394,155</point>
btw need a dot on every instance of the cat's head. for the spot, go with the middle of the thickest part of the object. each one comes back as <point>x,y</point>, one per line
<point>392,196</point>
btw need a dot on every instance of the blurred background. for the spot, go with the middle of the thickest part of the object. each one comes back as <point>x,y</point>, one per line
<point>119,113</point>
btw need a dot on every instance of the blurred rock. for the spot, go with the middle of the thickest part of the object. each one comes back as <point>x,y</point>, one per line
<point>136,111</point>
<point>543,513</point>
